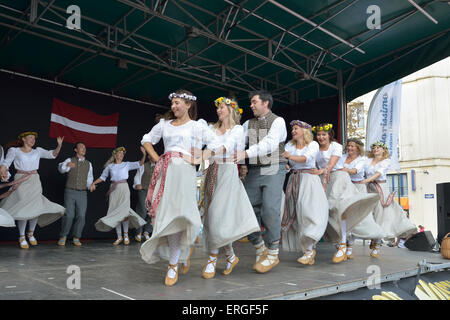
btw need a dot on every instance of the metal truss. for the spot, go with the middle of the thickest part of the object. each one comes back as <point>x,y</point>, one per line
<point>45,19</point>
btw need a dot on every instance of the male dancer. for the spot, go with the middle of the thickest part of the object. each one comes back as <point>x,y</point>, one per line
<point>79,179</point>
<point>141,184</point>
<point>265,134</point>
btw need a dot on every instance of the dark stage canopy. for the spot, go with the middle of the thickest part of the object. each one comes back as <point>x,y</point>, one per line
<point>299,50</point>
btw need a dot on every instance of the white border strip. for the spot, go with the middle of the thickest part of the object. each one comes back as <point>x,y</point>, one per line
<point>82,126</point>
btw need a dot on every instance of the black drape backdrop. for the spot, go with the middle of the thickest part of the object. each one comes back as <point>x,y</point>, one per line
<point>25,104</point>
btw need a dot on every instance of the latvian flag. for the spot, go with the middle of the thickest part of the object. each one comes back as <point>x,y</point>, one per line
<point>77,124</point>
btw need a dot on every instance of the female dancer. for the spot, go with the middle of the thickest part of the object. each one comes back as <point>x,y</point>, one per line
<point>305,215</point>
<point>347,206</point>
<point>5,218</point>
<point>228,213</point>
<point>119,212</point>
<point>171,198</point>
<point>388,213</point>
<point>24,200</point>
<point>353,162</point>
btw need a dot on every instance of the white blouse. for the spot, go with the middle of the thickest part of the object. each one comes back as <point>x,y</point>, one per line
<point>26,161</point>
<point>323,157</point>
<point>192,134</point>
<point>310,152</point>
<point>233,140</point>
<point>381,167</point>
<point>358,164</point>
<point>119,172</point>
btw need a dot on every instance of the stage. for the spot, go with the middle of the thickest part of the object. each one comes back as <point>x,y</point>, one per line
<point>47,272</point>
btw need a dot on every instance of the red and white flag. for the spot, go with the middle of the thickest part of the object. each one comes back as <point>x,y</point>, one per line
<point>77,124</point>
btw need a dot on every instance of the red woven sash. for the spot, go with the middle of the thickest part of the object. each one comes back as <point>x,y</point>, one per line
<point>113,187</point>
<point>292,191</point>
<point>210,181</point>
<point>161,166</point>
<point>377,186</point>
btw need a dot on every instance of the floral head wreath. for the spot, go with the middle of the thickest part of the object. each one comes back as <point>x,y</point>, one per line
<point>323,127</point>
<point>301,124</point>
<point>182,96</point>
<point>379,144</point>
<point>118,150</point>
<point>27,133</point>
<point>355,141</point>
<point>228,102</point>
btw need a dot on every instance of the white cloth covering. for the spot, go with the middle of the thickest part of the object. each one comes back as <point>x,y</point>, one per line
<point>26,161</point>
<point>119,172</point>
<point>359,164</point>
<point>323,157</point>
<point>310,152</point>
<point>381,167</point>
<point>192,134</point>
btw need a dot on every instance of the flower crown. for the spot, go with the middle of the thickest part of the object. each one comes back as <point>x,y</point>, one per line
<point>27,133</point>
<point>323,127</point>
<point>301,124</point>
<point>228,102</point>
<point>379,144</point>
<point>118,150</point>
<point>182,96</point>
<point>355,141</point>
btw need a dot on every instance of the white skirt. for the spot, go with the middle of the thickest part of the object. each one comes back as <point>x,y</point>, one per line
<point>312,215</point>
<point>177,212</point>
<point>392,219</point>
<point>6,220</point>
<point>345,200</point>
<point>118,210</point>
<point>27,202</point>
<point>230,215</point>
<point>368,228</point>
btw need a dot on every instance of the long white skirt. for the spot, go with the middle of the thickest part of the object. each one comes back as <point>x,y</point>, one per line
<point>392,219</point>
<point>312,215</point>
<point>27,202</point>
<point>368,228</point>
<point>230,215</point>
<point>6,220</point>
<point>177,212</point>
<point>118,210</point>
<point>345,200</point>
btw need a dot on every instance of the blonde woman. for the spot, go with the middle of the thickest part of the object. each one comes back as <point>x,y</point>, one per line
<point>347,206</point>
<point>388,213</point>
<point>119,212</point>
<point>353,162</point>
<point>305,214</point>
<point>228,214</point>
<point>24,201</point>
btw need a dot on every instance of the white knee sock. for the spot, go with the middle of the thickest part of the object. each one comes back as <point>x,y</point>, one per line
<point>125,226</point>
<point>229,251</point>
<point>32,224</point>
<point>119,230</point>
<point>174,245</point>
<point>210,267</point>
<point>344,231</point>
<point>22,224</point>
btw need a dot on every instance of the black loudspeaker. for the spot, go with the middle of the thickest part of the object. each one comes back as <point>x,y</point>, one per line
<point>421,241</point>
<point>443,209</point>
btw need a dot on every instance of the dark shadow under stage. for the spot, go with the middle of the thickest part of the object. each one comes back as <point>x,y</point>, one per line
<point>47,272</point>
